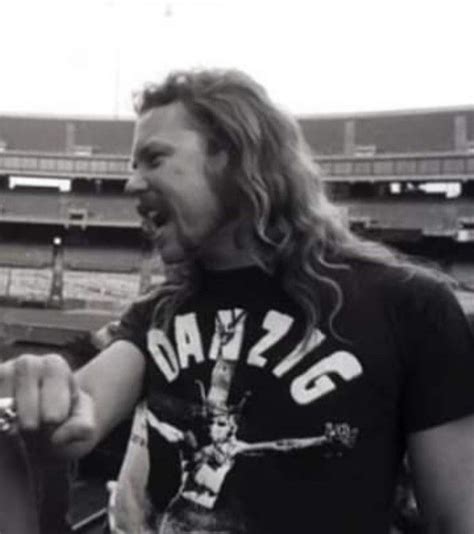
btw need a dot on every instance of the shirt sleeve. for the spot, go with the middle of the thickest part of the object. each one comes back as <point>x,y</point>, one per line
<point>134,323</point>
<point>439,385</point>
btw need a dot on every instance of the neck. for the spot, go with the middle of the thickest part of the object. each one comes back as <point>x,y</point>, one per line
<point>224,251</point>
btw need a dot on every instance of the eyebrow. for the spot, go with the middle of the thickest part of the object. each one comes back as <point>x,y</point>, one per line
<point>155,148</point>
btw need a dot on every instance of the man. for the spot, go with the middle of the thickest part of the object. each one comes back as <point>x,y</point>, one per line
<point>286,364</point>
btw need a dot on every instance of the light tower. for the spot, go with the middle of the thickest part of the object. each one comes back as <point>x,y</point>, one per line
<point>56,290</point>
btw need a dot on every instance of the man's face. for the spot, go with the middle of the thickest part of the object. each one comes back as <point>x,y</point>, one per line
<point>175,180</point>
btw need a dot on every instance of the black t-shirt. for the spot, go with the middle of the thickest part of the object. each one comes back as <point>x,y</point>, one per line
<point>253,429</point>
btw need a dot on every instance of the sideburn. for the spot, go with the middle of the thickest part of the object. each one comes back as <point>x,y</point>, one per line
<point>224,187</point>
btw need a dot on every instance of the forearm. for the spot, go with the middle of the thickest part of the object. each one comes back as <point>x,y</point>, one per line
<point>113,383</point>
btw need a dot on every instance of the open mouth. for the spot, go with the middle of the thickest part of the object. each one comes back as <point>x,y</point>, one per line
<point>152,218</point>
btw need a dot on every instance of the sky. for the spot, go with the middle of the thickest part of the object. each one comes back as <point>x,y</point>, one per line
<point>87,57</point>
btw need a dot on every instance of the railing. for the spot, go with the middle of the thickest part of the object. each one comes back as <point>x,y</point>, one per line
<point>436,166</point>
<point>64,165</point>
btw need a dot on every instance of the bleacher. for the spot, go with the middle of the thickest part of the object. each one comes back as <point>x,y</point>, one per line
<point>20,205</point>
<point>115,209</point>
<point>430,216</point>
<point>67,208</point>
<point>37,255</point>
<point>80,258</point>
<point>104,259</point>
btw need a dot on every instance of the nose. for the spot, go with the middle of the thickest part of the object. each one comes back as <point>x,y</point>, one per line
<point>136,183</point>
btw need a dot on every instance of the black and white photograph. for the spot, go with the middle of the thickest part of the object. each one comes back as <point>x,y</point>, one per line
<point>236,267</point>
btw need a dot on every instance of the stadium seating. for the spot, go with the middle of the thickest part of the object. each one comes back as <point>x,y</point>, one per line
<point>102,259</point>
<point>66,208</point>
<point>31,255</point>
<point>432,216</point>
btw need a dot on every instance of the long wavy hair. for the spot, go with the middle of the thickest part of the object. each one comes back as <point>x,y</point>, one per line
<point>297,230</point>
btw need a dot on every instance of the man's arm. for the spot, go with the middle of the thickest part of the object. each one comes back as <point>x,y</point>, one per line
<point>442,462</point>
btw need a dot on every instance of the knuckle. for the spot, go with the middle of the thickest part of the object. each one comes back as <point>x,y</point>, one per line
<point>55,364</point>
<point>26,364</point>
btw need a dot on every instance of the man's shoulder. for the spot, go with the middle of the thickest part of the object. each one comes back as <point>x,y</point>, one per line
<point>141,308</point>
<point>397,282</point>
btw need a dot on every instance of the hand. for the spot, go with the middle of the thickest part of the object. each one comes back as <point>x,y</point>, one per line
<point>47,398</point>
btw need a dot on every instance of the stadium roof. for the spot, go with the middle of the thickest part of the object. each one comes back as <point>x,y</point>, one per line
<point>65,134</point>
<point>388,113</point>
<point>403,131</point>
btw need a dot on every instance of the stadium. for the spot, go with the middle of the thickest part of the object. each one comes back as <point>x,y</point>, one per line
<point>403,177</point>
<point>72,254</point>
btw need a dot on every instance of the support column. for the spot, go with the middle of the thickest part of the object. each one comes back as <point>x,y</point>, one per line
<point>460,133</point>
<point>349,137</point>
<point>70,137</point>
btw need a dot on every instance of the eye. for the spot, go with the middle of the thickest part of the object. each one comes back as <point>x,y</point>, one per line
<point>155,160</point>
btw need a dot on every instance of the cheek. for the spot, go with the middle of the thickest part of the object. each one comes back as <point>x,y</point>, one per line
<point>185,184</point>
<point>196,200</point>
